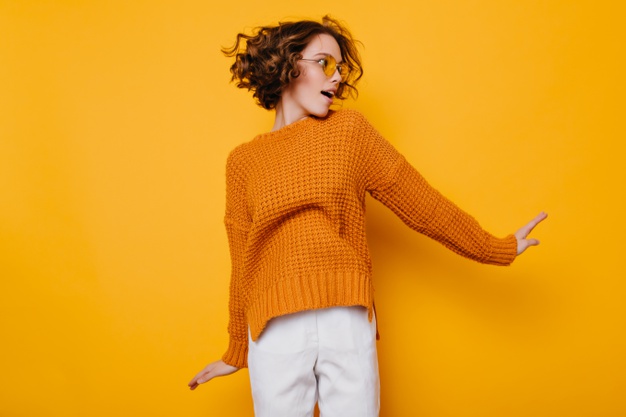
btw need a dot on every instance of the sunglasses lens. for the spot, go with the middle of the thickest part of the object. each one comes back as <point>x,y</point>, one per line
<point>330,67</point>
<point>343,70</point>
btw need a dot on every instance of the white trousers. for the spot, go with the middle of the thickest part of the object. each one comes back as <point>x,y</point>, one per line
<point>326,356</point>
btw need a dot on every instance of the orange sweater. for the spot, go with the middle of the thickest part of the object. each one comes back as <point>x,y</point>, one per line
<point>295,218</point>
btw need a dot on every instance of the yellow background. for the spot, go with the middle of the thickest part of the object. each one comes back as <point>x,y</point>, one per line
<point>115,121</point>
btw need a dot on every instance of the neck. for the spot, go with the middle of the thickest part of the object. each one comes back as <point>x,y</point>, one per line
<point>284,117</point>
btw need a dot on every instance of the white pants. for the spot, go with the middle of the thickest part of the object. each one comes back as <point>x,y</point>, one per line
<point>326,356</point>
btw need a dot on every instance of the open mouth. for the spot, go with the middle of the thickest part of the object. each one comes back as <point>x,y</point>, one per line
<point>328,94</point>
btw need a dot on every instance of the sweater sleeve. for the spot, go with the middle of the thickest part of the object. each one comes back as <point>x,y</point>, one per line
<point>237,226</point>
<point>398,185</point>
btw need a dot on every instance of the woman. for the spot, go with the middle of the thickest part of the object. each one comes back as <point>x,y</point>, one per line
<point>301,299</point>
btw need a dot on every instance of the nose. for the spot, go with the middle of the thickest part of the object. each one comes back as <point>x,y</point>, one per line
<point>336,78</point>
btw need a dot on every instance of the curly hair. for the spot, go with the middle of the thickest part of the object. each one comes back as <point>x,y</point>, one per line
<point>267,62</point>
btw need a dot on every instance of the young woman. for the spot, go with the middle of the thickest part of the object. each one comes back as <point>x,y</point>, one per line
<point>301,297</point>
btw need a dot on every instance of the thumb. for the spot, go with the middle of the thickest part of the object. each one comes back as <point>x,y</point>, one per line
<point>524,244</point>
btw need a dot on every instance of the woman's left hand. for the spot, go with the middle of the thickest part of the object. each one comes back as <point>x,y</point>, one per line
<point>522,241</point>
<point>212,370</point>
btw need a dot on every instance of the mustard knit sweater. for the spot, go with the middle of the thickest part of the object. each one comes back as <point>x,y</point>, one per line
<point>295,219</point>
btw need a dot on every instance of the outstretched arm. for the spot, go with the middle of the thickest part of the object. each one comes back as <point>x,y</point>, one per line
<point>212,370</point>
<point>522,241</point>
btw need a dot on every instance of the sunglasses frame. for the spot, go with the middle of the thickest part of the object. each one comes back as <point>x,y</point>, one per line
<point>329,65</point>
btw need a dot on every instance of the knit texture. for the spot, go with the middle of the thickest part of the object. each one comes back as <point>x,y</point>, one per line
<point>295,219</point>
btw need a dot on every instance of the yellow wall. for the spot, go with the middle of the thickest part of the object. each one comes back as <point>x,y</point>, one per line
<point>115,121</point>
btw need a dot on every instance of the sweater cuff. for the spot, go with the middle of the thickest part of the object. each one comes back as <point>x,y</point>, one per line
<point>237,354</point>
<point>504,251</point>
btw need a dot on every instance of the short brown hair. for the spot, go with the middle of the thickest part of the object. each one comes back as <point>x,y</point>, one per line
<point>268,61</point>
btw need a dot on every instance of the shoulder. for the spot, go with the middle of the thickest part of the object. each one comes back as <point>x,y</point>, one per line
<point>346,115</point>
<point>236,160</point>
<point>346,122</point>
<point>237,153</point>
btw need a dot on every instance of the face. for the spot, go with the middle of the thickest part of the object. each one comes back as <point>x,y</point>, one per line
<point>309,93</point>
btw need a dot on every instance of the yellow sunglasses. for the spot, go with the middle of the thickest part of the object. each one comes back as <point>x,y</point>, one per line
<point>329,66</point>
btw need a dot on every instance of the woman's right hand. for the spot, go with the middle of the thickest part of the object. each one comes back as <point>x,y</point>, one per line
<point>212,370</point>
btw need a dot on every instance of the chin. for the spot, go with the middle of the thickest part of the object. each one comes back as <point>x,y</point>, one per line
<point>321,113</point>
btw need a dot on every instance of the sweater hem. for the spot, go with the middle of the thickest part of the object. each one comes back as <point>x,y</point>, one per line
<point>310,292</point>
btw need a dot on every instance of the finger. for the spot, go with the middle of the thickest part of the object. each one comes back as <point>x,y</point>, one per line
<point>534,222</point>
<point>194,380</point>
<point>213,370</point>
<point>532,242</point>
<point>207,369</point>
<point>524,244</point>
<point>204,379</point>
<point>209,375</point>
<point>526,229</point>
<point>195,383</point>
<point>201,379</point>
